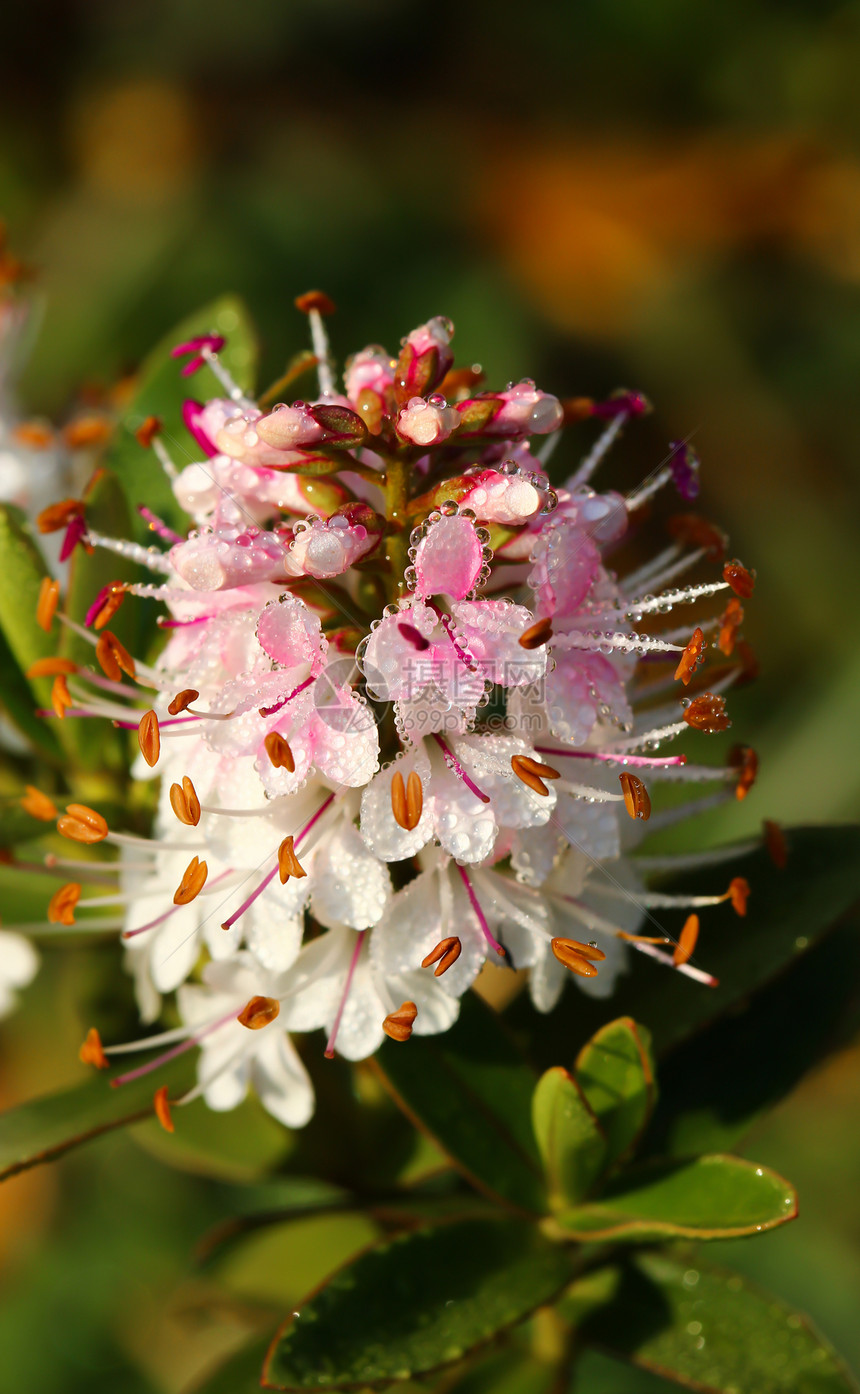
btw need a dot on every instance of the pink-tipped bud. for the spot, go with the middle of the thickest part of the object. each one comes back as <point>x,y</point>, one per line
<point>427,422</point>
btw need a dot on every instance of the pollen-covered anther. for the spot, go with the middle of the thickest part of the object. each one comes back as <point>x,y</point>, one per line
<point>315,300</point>
<point>192,883</point>
<point>407,800</point>
<point>51,668</point>
<point>87,430</point>
<point>149,737</point>
<point>92,1051</point>
<point>774,841</point>
<point>279,753</point>
<point>693,531</point>
<point>707,713</point>
<point>116,593</point>
<point>185,803</point>
<point>147,431</point>
<point>61,906</point>
<point>37,804</point>
<point>730,622</point>
<point>161,1108</point>
<point>82,824</point>
<point>536,634</point>
<point>259,1012</point>
<point>692,657</point>
<point>182,701</point>
<point>59,515</point>
<point>570,953</point>
<point>398,1025</point>
<point>739,578</point>
<point>113,657</point>
<point>533,773</point>
<point>738,893</point>
<point>637,800</point>
<point>49,595</point>
<point>446,952</point>
<point>288,863</point>
<point>61,698</point>
<point>743,759</point>
<point>687,941</point>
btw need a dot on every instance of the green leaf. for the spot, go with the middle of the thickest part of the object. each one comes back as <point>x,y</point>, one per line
<point>22,570</point>
<point>704,1329</point>
<point>161,390</point>
<point>788,911</point>
<point>17,701</point>
<point>240,1374</point>
<point>616,1074</point>
<point>43,1129</point>
<point>712,1197</point>
<point>571,1141</point>
<point>471,1090</point>
<point>415,1303</point>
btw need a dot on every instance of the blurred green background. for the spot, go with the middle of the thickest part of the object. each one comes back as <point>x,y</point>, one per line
<point>604,193</point>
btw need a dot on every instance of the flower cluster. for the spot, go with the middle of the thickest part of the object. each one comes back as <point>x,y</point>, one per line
<point>405,720</point>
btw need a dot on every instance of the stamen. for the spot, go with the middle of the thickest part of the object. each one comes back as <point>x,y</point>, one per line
<point>741,581</point>
<point>398,1025</point>
<point>407,800</point>
<point>693,531</point>
<point>350,973</point>
<point>738,893</point>
<point>774,841</point>
<point>479,914</point>
<point>149,737</point>
<point>92,1051</point>
<point>58,515</point>
<point>692,657</point>
<point>157,525</point>
<point>146,433</point>
<point>185,803</point>
<point>163,457</point>
<point>453,764</point>
<point>61,906</point>
<point>687,941</point>
<point>730,622</point>
<point>538,633</point>
<point>569,954</point>
<point>667,600</point>
<point>598,451</point>
<point>315,304</point>
<point>743,759</point>
<point>150,557</point>
<point>166,914</point>
<point>105,605</point>
<point>51,668</point>
<point>61,698</point>
<point>668,961</point>
<point>161,1106</point>
<point>113,658</point>
<point>82,824</point>
<point>192,883</point>
<point>49,595</point>
<point>707,713</point>
<point>597,641</point>
<point>288,863</point>
<point>445,953</point>
<point>182,700</point>
<point>37,804</point>
<point>637,800</point>
<point>279,752</point>
<point>259,1012</point>
<point>168,1055</point>
<point>613,758</point>
<point>532,773</point>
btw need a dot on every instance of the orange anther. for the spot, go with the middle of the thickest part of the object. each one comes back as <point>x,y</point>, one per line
<point>288,863</point>
<point>82,824</point>
<point>774,841</point>
<point>743,759</point>
<point>398,1025</point>
<point>730,623</point>
<point>407,800</point>
<point>707,713</point>
<point>61,698</point>
<point>259,1012</point>
<point>185,803</point>
<point>34,434</point>
<point>146,433</point>
<point>315,300</point>
<point>61,906</point>
<point>691,658</point>
<point>741,581</point>
<point>446,952</point>
<point>87,430</point>
<point>161,1105</point>
<point>532,773</point>
<point>51,667</point>
<point>59,515</point>
<point>738,894</point>
<point>92,1051</point>
<point>149,737</point>
<point>637,800</point>
<point>113,600</point>
<point>37,804</point>
<point>687,942</point>
<point>183,700</point>
<point>693,531</point>
<point>278,751</point>
<point>536,634</point>
<point>112,657</point>
<point>49,594</point>
<point>192,883</point>
<point>577,409</point>
<point>569,953</point>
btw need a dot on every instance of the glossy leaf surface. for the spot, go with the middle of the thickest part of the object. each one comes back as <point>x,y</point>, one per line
<point>616,1074</point>
<point>571,1141</point>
